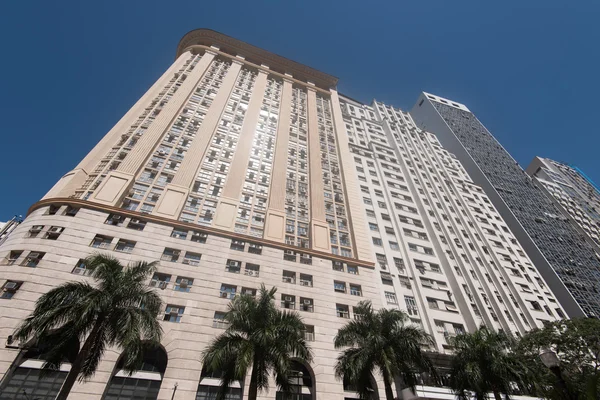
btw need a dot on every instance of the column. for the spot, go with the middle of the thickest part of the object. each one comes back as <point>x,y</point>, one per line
<point>173,200</point>
<point>356,218</point>
<point>275,221</point>
<point>117,182</point>
<point>72,180</point>
<point>318,224</point>
<point>230,199</point>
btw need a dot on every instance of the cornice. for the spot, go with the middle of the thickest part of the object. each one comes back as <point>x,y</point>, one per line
<point>186,225</point>
<point>227,44</point>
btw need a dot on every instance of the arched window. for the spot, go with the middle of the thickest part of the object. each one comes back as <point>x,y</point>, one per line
<point>209,386</point>
<point>349,387</point>
<point>144,384</point>
<point>26,380</point>
<point>302,384</point>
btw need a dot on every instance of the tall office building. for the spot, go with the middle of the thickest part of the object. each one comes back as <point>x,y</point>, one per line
<point>568,262</point>
<point>575,194</point>
<point>239,167</point>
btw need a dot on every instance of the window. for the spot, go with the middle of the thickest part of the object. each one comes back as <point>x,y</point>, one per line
<point>53,232</point>
<point>233,266</point>
<point>289,277</point>
<point>170,255</point>
<point>33,259</point>
<point>391,298</point>
<point>306,304</point>
<point>192,258</point>
<point>125,246</point>
<point>355,290</point>
<point>248,291</point>
<point>306,280</point>
<point>377,241</point>
<point>136,224</point>
<point>382,260</point>
<point>179,233</point>
<point>288,301</point>
<point>386,279</point>
<point>80,268</point>
<point>71,211</point>
<point>432,303</point>
<point>411,306</point>
<point>342,311</point>
<point>536,306</point>
<point>252,270</point>
<point>12,257</point>
<point>255,248</point>
<point>183,284</point>
<point>173,313</point>
<point>160,281</point>
<point>339,287</point>
<point>52,210</point>
<point>34,231</point>
<point>238,245</point>
<point>219,321</point>
<point>309,333</point>
<point>394,245</point>
<point>367,201</point>
<point>9,289</point>
<point>101,242</point>
<point>373,226</point>
<point>227,291</point>
<point>115,219</point>
<point>199,237</point>
<point>352,269</point>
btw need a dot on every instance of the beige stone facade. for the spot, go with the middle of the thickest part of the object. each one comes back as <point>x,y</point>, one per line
<point>239,168</point>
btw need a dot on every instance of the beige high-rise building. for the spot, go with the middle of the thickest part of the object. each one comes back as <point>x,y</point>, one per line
<point>239,167</point>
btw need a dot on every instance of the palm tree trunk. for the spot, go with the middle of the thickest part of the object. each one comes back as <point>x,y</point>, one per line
<point>387,383</point>
<point>497,396</point>
<point>67,385</point>
<point>253,389</point>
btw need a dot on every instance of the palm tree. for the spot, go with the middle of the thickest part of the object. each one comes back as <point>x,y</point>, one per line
<point>381,340</point>
<point>483,363</point>
<point>105,314</point>
<point>259,336</point>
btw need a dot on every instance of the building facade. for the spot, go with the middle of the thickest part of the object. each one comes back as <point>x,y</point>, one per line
<point>238,168</point>
<point>568,262</point>
<point>576,195</point>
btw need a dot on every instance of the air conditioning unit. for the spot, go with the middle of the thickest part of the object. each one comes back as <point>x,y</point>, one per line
<point>174,311</point>
<point>289,253</point>
<point>288,299</point>
<point>10,286</point>
<point>35,229</point>
<point>79,271</point>
<point>135,221</point>
<point>305,283</point>
<point>33,255</point>
<point>235,264</point>
<point>307,302</point>
<point>55,229</point>
<point>176,252</point>
<point>224,295</point>
<point>183,283</point>
<point>186,261</point>
<point>163,284</point>
<point>162,152</point>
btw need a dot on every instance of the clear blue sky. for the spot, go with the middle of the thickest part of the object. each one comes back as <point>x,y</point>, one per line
<point>528,69</point>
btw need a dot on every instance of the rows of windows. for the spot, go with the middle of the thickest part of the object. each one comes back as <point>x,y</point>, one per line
<point>253,201</point>
<point>297,187</point>
<point>130,138</point>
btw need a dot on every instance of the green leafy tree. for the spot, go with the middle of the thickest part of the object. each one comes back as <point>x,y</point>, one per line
<point>261,337</point>
<point>381,340</point>
<point>483,362</point>
<point>105,314</point>
<point>577,343</point>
